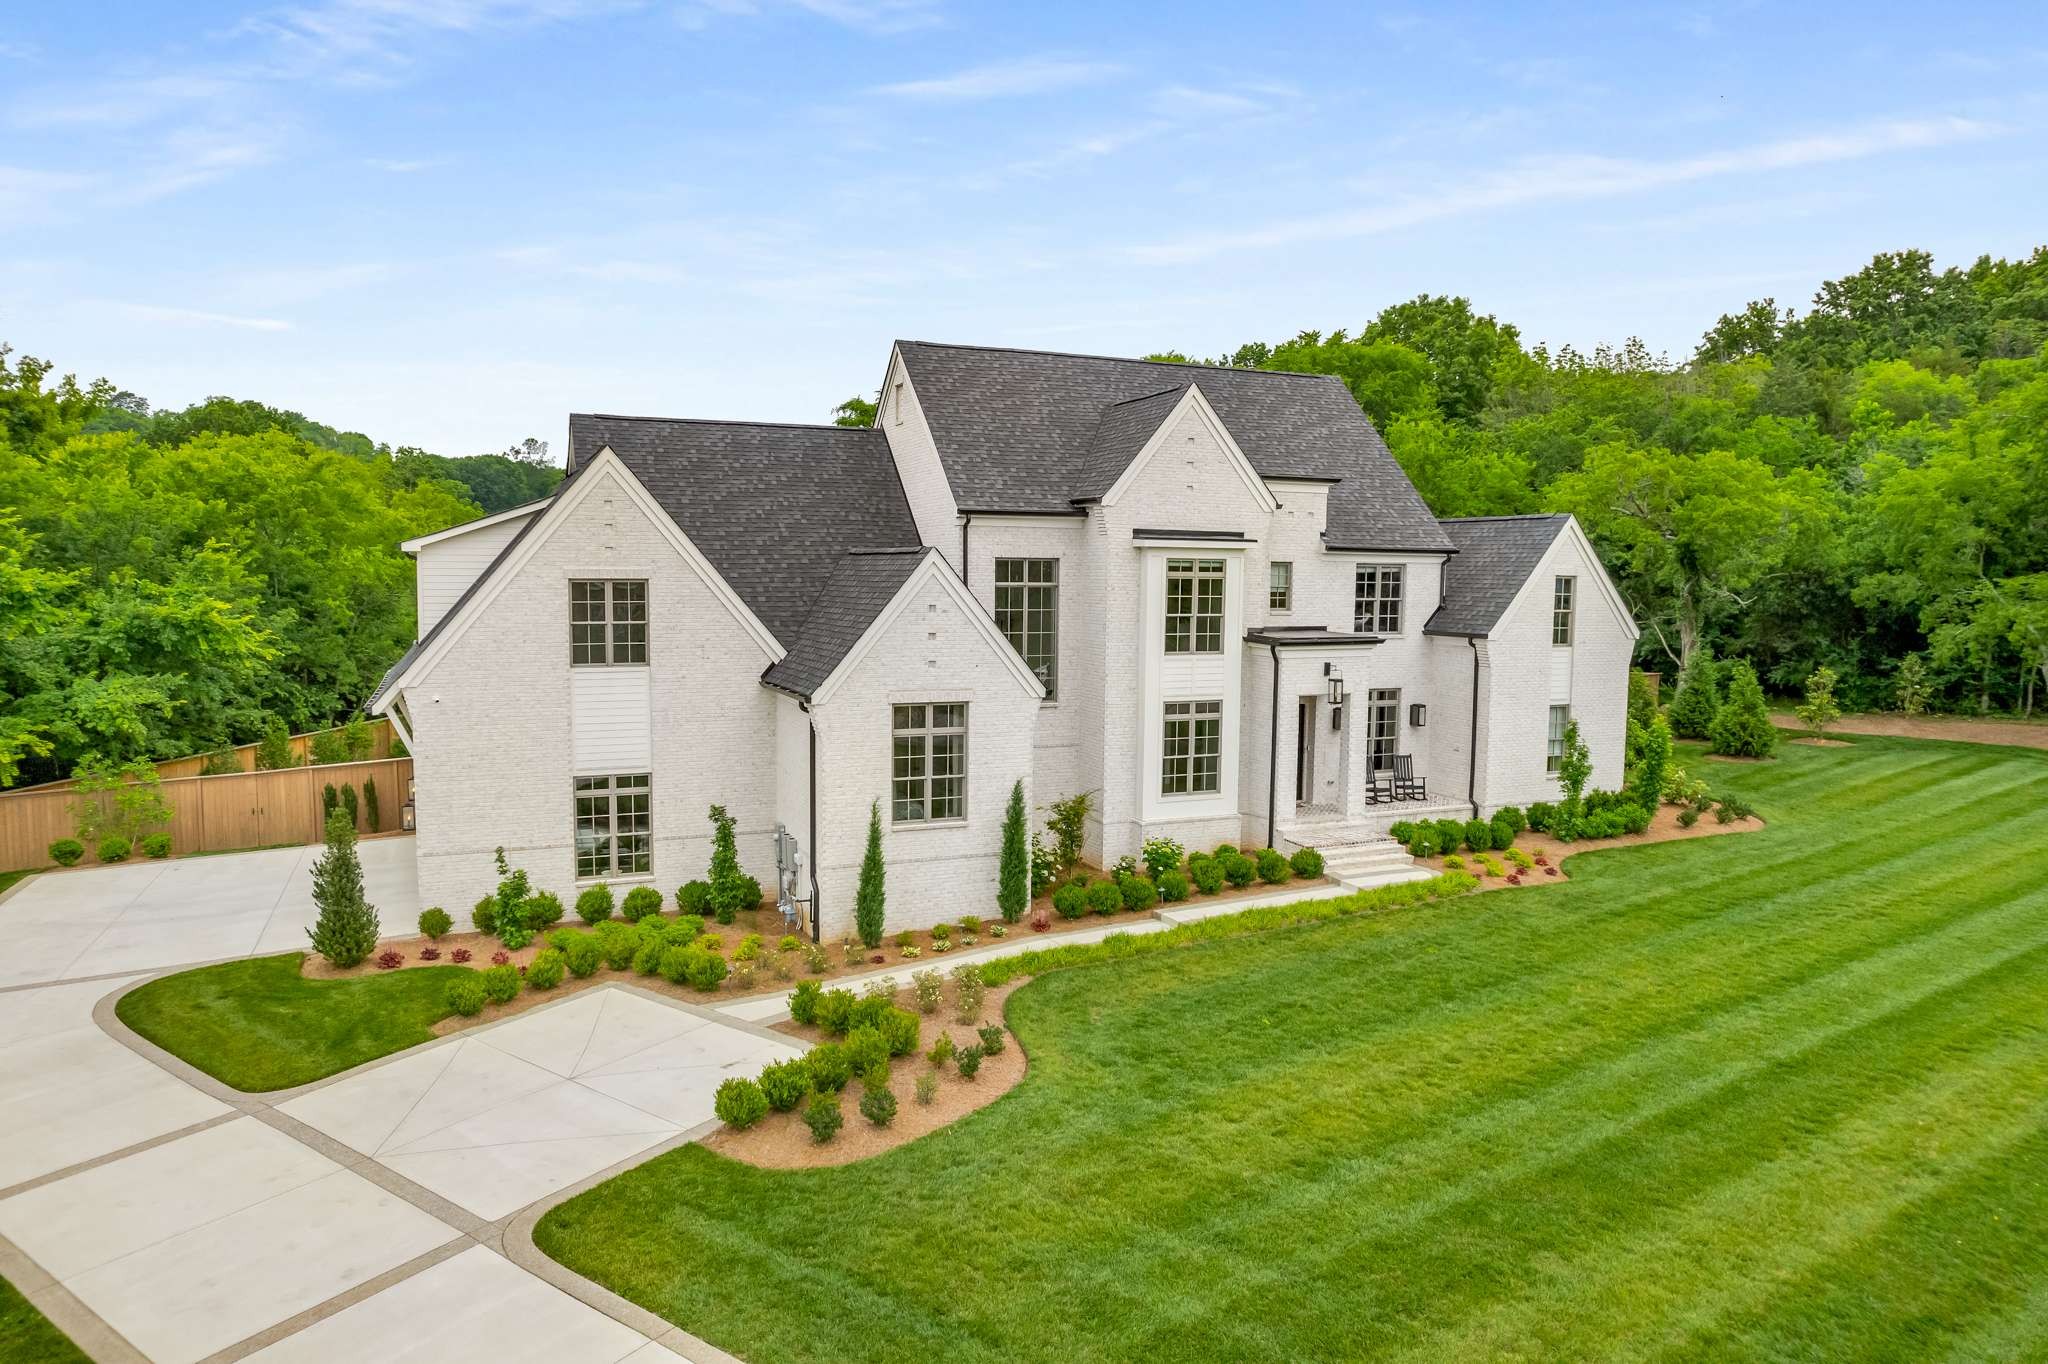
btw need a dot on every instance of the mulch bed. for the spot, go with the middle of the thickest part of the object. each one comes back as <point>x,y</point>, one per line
<point>1664,828</point>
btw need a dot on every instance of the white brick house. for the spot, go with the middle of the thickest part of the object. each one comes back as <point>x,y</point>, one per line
<point>1207,596</point>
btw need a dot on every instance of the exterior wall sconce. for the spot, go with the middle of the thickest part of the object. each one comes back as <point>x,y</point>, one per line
<point>1418,715</point>
<point>1336,685</point>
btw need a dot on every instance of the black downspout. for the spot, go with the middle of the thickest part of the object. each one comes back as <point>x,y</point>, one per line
<point>1472,744</point>
<point>965,518</point>
<point>1273,753</point>
<point>816,918</point>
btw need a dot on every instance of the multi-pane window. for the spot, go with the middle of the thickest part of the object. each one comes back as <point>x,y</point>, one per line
<point>1561,611</point>
<point>613,827</point>
<point>607,621</point>
<point>1028,614</point>
<point>928,778</point>
<point>1194,606</point>
<point>1553,758</point>
<point>1280,586</point>
<point>1191,758</point>
<point>1382,728</point>
<point>1377,602</point>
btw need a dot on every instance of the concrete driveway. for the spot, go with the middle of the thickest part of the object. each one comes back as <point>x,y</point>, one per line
<point>145,916</point>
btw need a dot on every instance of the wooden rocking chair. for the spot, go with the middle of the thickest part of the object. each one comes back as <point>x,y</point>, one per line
<point>1408,786</point>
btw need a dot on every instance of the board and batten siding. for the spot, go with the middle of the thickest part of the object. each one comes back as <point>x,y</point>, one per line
<point>610,717</point>
<point>447,567</point>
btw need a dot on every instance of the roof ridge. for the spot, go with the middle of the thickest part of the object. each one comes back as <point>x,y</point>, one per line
<point>722,421</point>
<point>1120,359</point>
<point>1508,516</point>
<point>1159,393</point>
<point>889,549</point>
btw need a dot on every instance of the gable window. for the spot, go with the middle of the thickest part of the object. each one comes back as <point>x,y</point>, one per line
<point>1194,606</point>
<point>614,829</point>
<point>1561,611</point>
<point>1553,757</point>
<point>1191,756</point>
<point>1028,614</point>
<point>928,777</point>
<point>1280,586</point>
<point>1376,605</point>
<point>607,622</point>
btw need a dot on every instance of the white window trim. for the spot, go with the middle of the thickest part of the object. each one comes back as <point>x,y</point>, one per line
<point>995,601</point>
<point>965,731</point>
<point>611,792</point>
<point>1287,564</point>
<point>1191,794</point>
<point>1555,773</point>
<point>1371,627</point>
<point>611,586</point>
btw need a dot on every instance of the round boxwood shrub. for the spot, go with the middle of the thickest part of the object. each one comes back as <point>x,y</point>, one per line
<point>1540,816</point>
<point>647,953</point>
<point>1238,869</point>
<point>640,902</point>
<point>1503,832</point>
<point>1478,835</point>
<point>1273,868</point>
<point>1139,893</point>
<point>1070,901</point>
<point>435,923</point>
<point>501,983</point>
<point>834,1013</point>
<point>706,970</point>
<point>545,971</point>
<point>1207,873</point>
<point>156,845</point>
<point>829,1065</point>
<point>1402,831</point>
<point>695,898</point>
<point>1173,887</point>
<point>823,1117</point>
<point>1447,834</point>
<point>675,964</point>
<point>594,905</point>
<point>740,1103</point>
<point>899,1029</point>
<point>583,955</point>
<point>1105,897</point>
<point>784,1084</point>
<point>65,852</point>
<point>485,915</point>
<point>616,943</point>
<point>114,848</point>
<point>1223,850</point>
<point>803,1001</point>
<point>682,930</point>
<point>1306,862</point>
<point>466,994</point>
<point>866,1048</point>
<point>877,1104</point>
<point>1516,820</point>
<point>543,910</point>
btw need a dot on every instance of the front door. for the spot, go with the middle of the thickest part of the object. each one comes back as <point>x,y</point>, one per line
<point>1304,750</point>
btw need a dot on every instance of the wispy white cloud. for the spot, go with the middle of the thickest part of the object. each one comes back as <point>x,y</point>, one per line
<point>196,317</point>
<point>631,272</point>
<point>319,35</point>
<point>190,157</point>
<point>1572,177</point>
<point>1002,80</point>
<point>397,166</point>
<point>1234,102</point>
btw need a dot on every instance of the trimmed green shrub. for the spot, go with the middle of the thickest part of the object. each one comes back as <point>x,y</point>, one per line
<point>485,915</point>
<point>1173,886</point>
<point>1688,817</point>
<point>513,931</point>
<point>594,905</point>
<point>899,1028</point>
<point>784,1083</point>
<point>1503,832</point>
<point>1420,845</point>
<point>1238,869</point>
<point>823,1117</point>
<point>927,1088</point>
<point>941,1049</point>
<point>1105,897</point>
<point>1273,868</point>
<point>803,1001</point>
<point>835,1012</point>
<point>706,970</point>
<point>1516,820</point>
<point>694,898</point>
<point>1161,855</point>
<point>1222,850</point>
<point>1447,834</point>
<point>1540,815</point>
<point>542,910</point>
<point>675,965</point>
<point>640,902</point>
<point>1742,727</point>
<point>435,923</point>
<point>1402,831</point>
<point>1698,698</point>
<point>1478,835</point>
<point>501,983</point>
<point>1207,873</point>
<point>583,955</point>
<point>991,1038</point>
<point>647,954</point>
<point>346,931</point>
<point>969,1060</point>
<point>866,1048</point>
<point>545,971</point>
<point>829,1065</point>
<point>739,1103</point>
<point>1070,901</point>
<point>877,1104</point>
<point>1139,893</point>
<point>466,995</point>
<point>680,931</point>
<point>870,1010</point>
<point>66,852</point>
<point>617,943</point>
<point>1307,862</point>
<point>157,845</point>
<point>114,848</point>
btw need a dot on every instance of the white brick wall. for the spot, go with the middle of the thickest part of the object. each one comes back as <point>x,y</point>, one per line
<point>491,719</point>
<point>1059,768</point>
<point>917,463</point>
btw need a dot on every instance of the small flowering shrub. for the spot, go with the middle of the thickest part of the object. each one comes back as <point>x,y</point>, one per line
<point>740,1103</point>
<point>815,959</point>
<point>928,986</point>
<point>883,989</point>
<point>390,959</point>
<point>1161,855</point>
<point>969,991</point>
<point>460,954</point>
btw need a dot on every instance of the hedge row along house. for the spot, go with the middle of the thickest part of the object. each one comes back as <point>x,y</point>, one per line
<point>1208,596</point>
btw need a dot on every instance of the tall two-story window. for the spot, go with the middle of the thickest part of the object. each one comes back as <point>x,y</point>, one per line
<point>607,621</point>
<point>1028,614</point>
<point>1561,611</point>
<point>1191,758</point>
<point>928,779</point>
<point>1382,728</point>
<point>614,827</point>
<point>1376,603</point>
<point>1194,606</point>
<point>1280,586</point>
<point>1553,756</point>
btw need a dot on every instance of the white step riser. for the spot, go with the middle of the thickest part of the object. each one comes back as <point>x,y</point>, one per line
<point>1393,857</point>
<point>1393,876</point>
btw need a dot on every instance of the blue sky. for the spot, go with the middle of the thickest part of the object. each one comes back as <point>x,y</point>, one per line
<point>451,222</point>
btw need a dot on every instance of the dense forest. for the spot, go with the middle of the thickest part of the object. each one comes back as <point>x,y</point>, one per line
<point>1850,487</point>
<point>170,582</point>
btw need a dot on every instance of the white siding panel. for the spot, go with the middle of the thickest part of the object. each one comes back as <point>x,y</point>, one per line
<point>448,567</point>
<point>1560,676</point>
<point>611,719</point>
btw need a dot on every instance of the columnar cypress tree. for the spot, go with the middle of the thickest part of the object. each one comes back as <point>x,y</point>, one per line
<point>346,931</point>
<point>1742,727</point>
<point>372,815</point>
<point>1698,699</point>
<point>728,882</point>
<point>870,900</point>
<point>350,803</point>
<point>1013,886</point>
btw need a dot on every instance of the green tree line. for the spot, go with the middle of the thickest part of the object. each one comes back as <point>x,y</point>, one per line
<point>173,582</point>
<point>1853,487</point>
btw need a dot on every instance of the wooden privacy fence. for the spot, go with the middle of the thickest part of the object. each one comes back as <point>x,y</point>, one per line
<point>245,756</point>
<point>214,814</point>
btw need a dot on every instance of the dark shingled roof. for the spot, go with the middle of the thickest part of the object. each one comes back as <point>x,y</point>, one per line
<point>1017,431</point>
<point>1496,555</point>
<point>861,585</point>
<point>775,508</point>
<point>1119,436</point>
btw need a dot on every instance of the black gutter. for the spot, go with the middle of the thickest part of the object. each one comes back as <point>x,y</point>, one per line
<point>966,519</point>
<point>817,918</point>
<point>1233,537</point>
<point>1472,743</point>
<point>1013,511</point>
<point>1273,754</point>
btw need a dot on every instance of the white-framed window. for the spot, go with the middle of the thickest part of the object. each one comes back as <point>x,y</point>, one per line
<point>1028,614</point>
<point>1382,728</point>
<point>1560,719</point>
<point>607,622</point>
<point>1280,585</point>
<point>1194,606</point>
<point>614,826</point>
<point>1191,754</point>
<point>1561,611</point>
<point>928,774</point>
<point>1376,602</point>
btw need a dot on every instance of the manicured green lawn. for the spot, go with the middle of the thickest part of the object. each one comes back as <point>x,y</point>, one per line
<point>258,1025</point>
<point>1779,1095</point>
<point>8,878</point>
<point>26,1336</point>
